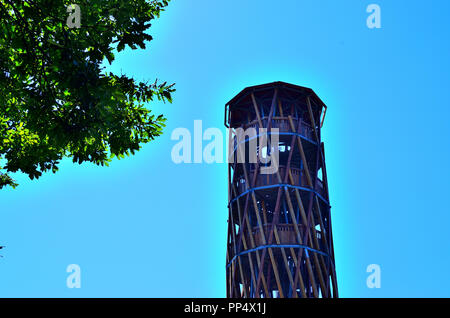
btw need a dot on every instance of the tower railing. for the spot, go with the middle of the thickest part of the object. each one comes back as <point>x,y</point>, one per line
<point>283,124</point>
<point>299,177</point>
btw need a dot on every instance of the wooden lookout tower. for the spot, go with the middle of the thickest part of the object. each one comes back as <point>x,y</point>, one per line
<point>280,242</point>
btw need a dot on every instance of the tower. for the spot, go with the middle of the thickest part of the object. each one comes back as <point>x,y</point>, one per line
<point>280,241</point>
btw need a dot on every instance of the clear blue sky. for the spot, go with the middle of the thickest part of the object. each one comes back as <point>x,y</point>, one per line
<point>146,227</point>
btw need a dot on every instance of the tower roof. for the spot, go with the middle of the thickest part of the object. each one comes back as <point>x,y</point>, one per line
<point>300,89</point>
<point>289,93</point>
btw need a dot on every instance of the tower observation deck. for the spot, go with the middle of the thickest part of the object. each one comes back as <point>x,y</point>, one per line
<point>280,241</point>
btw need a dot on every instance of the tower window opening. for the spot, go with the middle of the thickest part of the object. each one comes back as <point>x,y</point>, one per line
<point>320,175</point>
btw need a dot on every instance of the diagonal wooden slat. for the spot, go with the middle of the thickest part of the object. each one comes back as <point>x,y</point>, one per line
<point>244,242</point>
<point>245,223</point>
<point>261,229</point>
<point>317,139</point>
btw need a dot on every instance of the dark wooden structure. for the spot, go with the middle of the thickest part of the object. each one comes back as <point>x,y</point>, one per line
<point>280,242</point>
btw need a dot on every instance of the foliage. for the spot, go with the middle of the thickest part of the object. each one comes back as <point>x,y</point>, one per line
<point>56,100</point>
